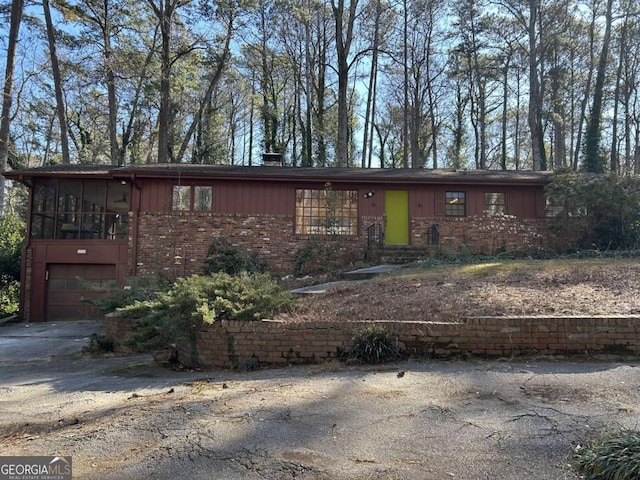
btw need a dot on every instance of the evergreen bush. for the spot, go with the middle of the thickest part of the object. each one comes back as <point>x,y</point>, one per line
<point>224,256</point>
<point>172,315</point>
<point>12,230</point>
<point>601,212</point>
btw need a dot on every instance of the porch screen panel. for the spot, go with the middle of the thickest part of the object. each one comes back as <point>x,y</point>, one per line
<point>68,210</point>
<point>44,210</point>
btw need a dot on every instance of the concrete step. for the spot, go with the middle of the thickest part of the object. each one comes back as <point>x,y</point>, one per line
<point>397,254</point>
<point>370,272</point>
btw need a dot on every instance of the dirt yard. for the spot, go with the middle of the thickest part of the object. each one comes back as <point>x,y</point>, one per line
<point>512,287</point>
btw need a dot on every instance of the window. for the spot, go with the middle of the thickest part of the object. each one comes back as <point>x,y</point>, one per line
<point>181,197</point>
<point>554,207</point>
<point>196,198</point>
<point>326,212</point>
<point>455,204</point>
<point>494,203</point>
<point>202,199</point>
<point>79,210</point>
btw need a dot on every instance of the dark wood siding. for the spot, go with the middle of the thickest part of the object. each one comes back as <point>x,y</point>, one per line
<point>521,202</point>
<point>252,198</point>
<point>275,198</point>
<point>155,195</point>
<point>422,202</point>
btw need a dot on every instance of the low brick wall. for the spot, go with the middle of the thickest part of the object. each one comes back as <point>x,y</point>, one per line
<point>236,344</point>
<point>118,329</point>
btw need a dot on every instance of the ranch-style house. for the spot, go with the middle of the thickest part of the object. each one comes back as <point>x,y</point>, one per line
<point>105,223</point>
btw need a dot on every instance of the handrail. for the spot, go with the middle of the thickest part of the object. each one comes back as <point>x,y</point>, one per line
<point>375,235</point>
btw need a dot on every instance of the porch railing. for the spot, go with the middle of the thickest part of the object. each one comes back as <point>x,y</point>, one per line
<point>375,235</point>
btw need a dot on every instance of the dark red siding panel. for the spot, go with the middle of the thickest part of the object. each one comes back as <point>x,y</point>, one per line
<point>155,195</point>
<point>251,198</point>
<point>521,202</point>
<point>438,202</point>
<point>421,202</point>
<point>370,206</point>
<point>540,204</point>
<point>475,201</point>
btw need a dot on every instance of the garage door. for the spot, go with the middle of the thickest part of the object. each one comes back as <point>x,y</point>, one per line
<point>68,284</point>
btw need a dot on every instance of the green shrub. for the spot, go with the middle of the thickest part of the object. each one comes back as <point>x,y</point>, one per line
<point>614,457</point>
<point>224,256</point>
<point>98,345</point>
<point>374,344</point>
<point>11,241</point>
<point>12,230</point>
<point>172,315</point>
<point>599,212</point>
<point>136,289</point>
<point>318,257</point>
<point>9,297</point>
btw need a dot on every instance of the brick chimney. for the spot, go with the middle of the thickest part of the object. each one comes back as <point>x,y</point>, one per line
<point>272,160</point>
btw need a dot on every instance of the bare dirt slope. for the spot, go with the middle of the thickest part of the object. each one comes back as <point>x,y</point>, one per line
<point>511,287</point>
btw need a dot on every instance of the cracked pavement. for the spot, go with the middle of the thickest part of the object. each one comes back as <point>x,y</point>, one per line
<point>127,418</point>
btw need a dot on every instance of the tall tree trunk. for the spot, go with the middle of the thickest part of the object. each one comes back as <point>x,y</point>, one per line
<point>344,37</point>
<point>405,71</point>
<point>221,64</point>
<point>17,8</point>
<point>372,79</point>
<point>505,100</point>
<point>57,81</point>
<point>593,160</point>
<point>321,90</point>
<point>535,97</point>
<point>615,149</point>
<point>559,132</point>
<point>111,90</point>
<point>587,90</point>
<point>164,12</point>
<point>307,156</point>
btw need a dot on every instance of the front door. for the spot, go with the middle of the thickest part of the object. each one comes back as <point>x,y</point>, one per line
<point>396,210</point>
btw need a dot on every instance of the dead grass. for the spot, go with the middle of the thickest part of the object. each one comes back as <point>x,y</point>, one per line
<point>510,287</point>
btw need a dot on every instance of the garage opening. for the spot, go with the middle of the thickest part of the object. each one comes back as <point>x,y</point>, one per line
<point>68,284</point>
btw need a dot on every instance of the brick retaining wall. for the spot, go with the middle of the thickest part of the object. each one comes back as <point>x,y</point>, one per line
<point>238,344</point>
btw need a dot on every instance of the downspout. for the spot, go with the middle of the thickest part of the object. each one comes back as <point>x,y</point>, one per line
<point>135,226</point>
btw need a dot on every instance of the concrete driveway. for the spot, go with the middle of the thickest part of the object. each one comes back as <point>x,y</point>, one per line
<point>42,341</point>
<point>127,418</point>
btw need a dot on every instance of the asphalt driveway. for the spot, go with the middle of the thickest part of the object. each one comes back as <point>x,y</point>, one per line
<point>127,418</point>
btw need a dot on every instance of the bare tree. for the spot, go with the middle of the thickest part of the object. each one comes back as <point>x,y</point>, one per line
<point>344,21</point>
<point>17,9</point>
<point>57,81</point>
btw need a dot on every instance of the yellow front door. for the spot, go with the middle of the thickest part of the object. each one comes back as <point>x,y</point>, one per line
<point>396,210</point>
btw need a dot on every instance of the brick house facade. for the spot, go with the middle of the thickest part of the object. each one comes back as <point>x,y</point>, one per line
<point>107,223</point>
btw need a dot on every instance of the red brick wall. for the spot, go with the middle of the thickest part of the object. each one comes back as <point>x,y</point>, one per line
<point>486,235</point>
<point>25,284</point>
<point>176,244</point>
<point>239,344</point>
